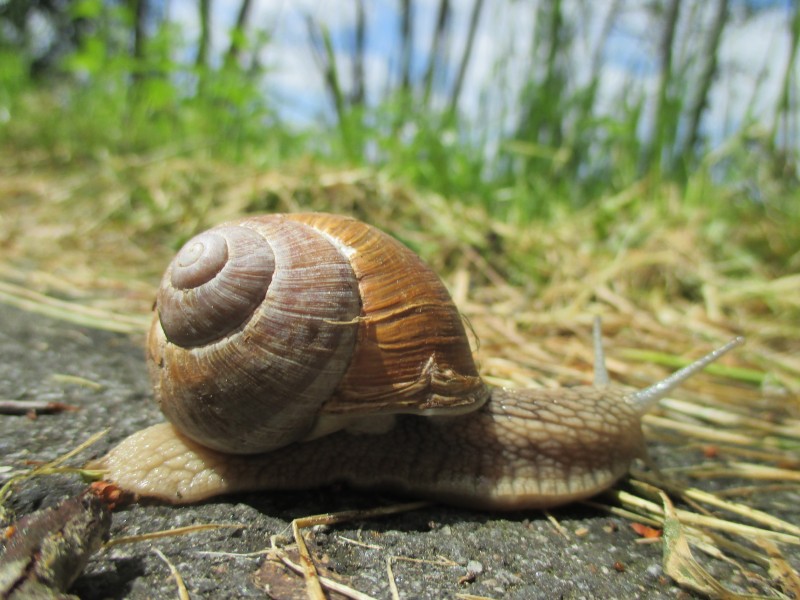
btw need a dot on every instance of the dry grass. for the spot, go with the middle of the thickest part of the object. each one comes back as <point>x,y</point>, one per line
<point>89,245</point>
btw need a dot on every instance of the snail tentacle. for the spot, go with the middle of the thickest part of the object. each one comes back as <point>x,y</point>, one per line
<point>645,399</point>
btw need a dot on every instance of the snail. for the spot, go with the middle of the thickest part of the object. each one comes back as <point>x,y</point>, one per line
<point>295,351</point>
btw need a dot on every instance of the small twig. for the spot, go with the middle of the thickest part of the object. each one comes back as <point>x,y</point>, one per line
<point>624,513</point>
<point>358,543</point>
<point>78,449</point>
<point>183,593</point>
<point>358,515</point>
<point>220,553</point>
<point>49,468</point>
<point>392,583</point>
<point>740,470</point>
<point>706,432</point>
<point>37,407</point>
<point>155,535</point>
<point>442,562</point>
<point>691,518</point>
<point>734,507</point>
<point>558,526</point>
<point>73,312</point>
<point>330,584</point>
<point>76,380</point>
<point>313,587</point>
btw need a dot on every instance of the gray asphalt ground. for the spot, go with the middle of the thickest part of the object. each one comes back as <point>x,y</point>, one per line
<point>454,551</point>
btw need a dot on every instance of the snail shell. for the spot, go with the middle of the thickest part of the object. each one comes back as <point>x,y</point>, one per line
<point>280,340</point>
<point>279,328</point>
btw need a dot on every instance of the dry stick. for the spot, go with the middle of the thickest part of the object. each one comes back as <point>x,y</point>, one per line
<point>358,515</point>
<point>752,490</point>
<point>442,562</point>
<point>556,525</point>
<point>301,523</point>
<point>706,540</point>
<point>720,416</point>
<point>236,554</point>
<point>76,380</point>
<point>392,582</point>
<point>155,535</point>
<point>92,439</point>
<point>183,593</point>
<point>697,534</point>
<point>624,513</point>
<point>330,584</point>
<point>24,407</point>
<point>72,312</point>
<point>49,468</point>
<point>741,470</point>
<point>703,521</point>
<point>731,546</point>
<point>781,457</point>
<point>700,431</point>
<point>756,471</point>
<point>701,496</point>
<point>359,543</point>
<point>313,587</point>
<point>275,553</point>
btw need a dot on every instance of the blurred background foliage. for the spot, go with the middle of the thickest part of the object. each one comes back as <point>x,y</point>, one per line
<point>81,80</point>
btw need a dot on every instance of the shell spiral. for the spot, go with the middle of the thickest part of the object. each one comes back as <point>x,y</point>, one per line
<point>277,328</point>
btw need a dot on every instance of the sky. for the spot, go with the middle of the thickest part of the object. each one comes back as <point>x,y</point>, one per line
<point>753,56</point>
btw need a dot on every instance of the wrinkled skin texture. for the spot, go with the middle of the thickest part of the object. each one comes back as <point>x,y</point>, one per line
<point>523,449</point>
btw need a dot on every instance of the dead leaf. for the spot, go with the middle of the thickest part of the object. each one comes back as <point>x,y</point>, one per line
<point>680,564</point>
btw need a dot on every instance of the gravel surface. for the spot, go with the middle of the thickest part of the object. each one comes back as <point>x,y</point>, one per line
<point>454,551</point>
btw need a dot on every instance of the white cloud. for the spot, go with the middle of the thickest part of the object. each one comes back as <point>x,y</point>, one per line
<point>753,59</point>
<point>752,55</point>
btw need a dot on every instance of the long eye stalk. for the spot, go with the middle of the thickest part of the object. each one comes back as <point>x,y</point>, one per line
<point>644,399</point>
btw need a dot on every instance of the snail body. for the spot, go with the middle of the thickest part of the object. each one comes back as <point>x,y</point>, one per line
<point>333,354</point>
